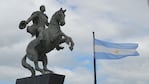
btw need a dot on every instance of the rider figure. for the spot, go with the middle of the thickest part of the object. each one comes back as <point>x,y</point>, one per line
<point>40,21</point>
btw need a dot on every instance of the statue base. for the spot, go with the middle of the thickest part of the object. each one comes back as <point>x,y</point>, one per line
<point>42,79</point>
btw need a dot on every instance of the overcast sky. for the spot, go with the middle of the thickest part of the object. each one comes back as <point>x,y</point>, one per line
<point>121,21</point>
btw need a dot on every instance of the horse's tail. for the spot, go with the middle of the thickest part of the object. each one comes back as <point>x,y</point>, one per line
<point>27,66</point>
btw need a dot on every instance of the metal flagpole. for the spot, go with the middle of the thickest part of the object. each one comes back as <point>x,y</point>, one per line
<point>95,80</point>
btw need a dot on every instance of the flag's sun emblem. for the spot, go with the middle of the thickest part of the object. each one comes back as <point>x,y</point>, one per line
<point>116,51</point>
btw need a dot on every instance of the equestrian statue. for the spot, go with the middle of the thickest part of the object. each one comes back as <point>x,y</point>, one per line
<point>46,39</point>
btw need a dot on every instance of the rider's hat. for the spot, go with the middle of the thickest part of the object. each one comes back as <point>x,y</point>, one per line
<point>22,24</point>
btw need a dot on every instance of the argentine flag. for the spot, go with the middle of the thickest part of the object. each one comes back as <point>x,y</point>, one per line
<point>108,50</point>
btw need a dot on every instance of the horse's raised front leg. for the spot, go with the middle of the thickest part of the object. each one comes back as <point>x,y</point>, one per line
<point>70,42</point>
<point>60,41</point>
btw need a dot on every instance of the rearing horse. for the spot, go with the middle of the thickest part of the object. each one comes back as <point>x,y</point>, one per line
<point>47,40</point>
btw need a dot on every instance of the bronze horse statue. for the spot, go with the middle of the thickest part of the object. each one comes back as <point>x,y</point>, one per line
<point>47,40</point>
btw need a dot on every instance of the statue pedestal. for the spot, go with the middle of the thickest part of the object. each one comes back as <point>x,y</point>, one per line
<point>42,79</point>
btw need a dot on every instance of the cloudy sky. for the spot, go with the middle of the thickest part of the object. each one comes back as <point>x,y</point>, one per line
<point>111,20</point>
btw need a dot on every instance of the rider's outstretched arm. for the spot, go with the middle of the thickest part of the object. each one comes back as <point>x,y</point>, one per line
<point>30,18</point>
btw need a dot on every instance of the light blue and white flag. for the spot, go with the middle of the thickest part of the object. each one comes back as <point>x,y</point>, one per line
<point>108,50</point>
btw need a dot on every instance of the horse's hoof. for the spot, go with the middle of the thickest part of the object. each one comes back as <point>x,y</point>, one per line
<point>48,72</point>
<point>71,48</point>
<point>59,48</point>
<point>33,75</point>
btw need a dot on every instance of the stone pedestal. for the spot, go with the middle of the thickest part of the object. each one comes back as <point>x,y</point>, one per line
<point>42,79</point>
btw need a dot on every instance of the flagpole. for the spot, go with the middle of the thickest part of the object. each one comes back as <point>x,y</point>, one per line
<point>95,80</point>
